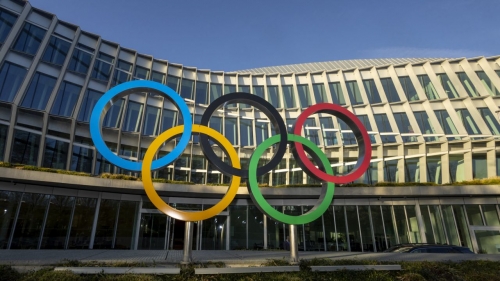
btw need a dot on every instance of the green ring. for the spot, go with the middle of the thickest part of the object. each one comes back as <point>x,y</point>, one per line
<point>258,199</point>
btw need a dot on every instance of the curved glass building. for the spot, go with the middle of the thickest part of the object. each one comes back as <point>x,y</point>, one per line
<point>429,119</point>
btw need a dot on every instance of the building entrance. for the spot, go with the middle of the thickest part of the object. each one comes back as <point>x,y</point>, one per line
<point>153,231</point>
<point>486,239</point>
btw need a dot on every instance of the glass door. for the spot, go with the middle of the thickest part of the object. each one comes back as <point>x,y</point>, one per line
<point>215,233</point>
<point>152,233</point>
<point>486,239</point>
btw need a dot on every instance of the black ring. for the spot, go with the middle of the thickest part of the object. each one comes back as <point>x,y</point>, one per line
<point>267,109</point>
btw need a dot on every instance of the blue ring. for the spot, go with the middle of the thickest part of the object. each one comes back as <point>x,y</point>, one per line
<point>96,126</point>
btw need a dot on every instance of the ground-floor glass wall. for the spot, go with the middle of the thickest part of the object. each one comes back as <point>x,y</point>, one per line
<point>47,221</point>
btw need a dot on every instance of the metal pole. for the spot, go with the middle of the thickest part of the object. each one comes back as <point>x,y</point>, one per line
<point>188,241</point>
<point>294,248</point>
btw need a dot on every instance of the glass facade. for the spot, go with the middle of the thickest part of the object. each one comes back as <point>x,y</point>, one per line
<point>39,91</point>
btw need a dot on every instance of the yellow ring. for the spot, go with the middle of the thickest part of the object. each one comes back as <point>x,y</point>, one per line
<point>183,215</point>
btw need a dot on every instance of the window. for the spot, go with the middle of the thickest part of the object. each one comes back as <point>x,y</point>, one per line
<point>201,92</point>
<point>447,86</point>
<point>230,130</point>
<point>273,96</point>
<point>412,170</point>
<point>25,148</point>
<point>403,123</point>
<point>428,87</point>
<point>288,96</point>
<point>446,122</point>
<point>434,169</point>
<point>80,61</point>
<point>468,85</point>
<point>468,122</point>
<point>258,91</point>
<point>354,93</point>
<point>124,65</point>
<point>337,94</point>
<point>391,171</point>
<point>382,122</point>
<point>141,73</point>
<point>371,91</point>
<point>120,77</point>
<point>490,120</point>
<point>169,119</point>
<point>122,72</point>
<point>66,99</point>
<point>11,78</point>
<point>456,168</point>
<point>492,90</point>
<point>152,121</point>
<point>102,67</point>
<point>216,123</point>
<point>81,159</point>
<point>319,93</point>
<point>187,87</point>
<point>424,123</point>
<point>311,131</point>
<point>246,132</point>
<point>366,122</point>
<point>158,77</point>
<point>390,90</point>
<point>261,131</point>
<point>56,51</point>
<point>39,91</point>
<point>55,154</point>
<point>215,91</point>
<point>229,89</point>
<point>408,88</point>
<point>329,136</point>
<point>133,117</point>
<point>89,100</point>
<point>113,117</point>
<point>3,139</point>
<point>30,39</point>
<point>304,97</point>
<point>7,20</point>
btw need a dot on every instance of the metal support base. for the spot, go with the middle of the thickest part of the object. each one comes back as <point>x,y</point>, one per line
<point>294,245</point>
<point>188,242</point>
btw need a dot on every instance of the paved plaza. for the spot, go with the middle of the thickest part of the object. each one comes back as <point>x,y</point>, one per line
<point>236,258</point>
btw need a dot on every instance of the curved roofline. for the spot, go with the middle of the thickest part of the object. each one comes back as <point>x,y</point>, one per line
<point>334,65</point>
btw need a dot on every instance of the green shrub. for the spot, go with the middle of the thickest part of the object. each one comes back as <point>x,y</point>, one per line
<point>411,277</point>
<point>8,274</point>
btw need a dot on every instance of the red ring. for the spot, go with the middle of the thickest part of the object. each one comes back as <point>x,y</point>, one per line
<point>359,131</point>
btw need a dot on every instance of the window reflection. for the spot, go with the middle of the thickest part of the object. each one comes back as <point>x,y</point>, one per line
<point>66,99</point>
<point>7,20</point>
<point>337,94</point>
<point>408,88</point>
<point>371,91</point>
<point>11,78</point>
<point>55,154</point>
<point>58,220</point>
<point>56,51</point>
<point>39,91</point>
<point>25,148</point>
<point>29,39</point>
<point>28,224</point>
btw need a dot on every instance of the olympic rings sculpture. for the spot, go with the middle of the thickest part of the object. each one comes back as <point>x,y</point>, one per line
<point>299,147</point>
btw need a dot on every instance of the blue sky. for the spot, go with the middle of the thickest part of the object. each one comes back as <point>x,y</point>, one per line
<point>232,35</point>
